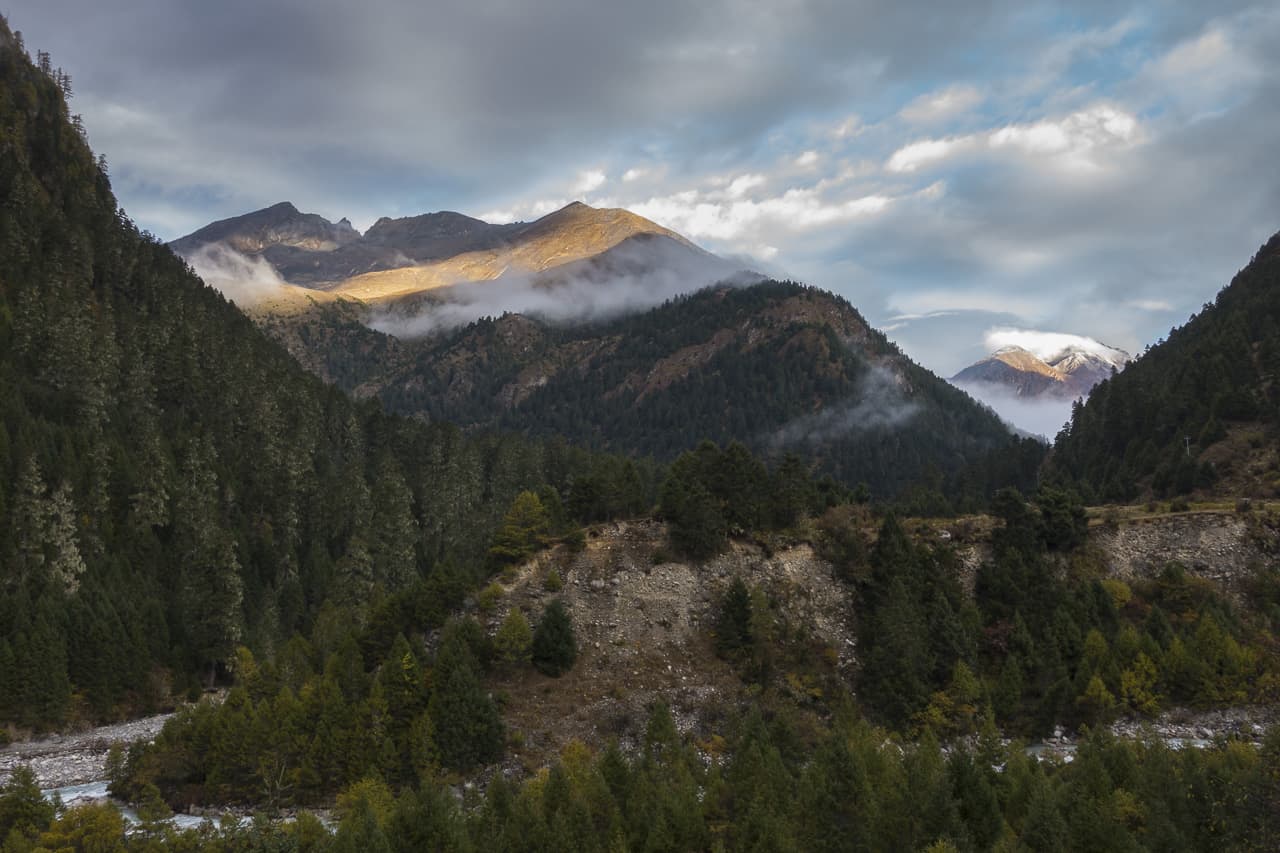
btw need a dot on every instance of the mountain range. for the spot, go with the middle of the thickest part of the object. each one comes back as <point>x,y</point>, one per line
<point>398,258</point>
<point>452,319</point>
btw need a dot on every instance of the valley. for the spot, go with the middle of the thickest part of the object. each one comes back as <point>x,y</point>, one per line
<point>568,534</point>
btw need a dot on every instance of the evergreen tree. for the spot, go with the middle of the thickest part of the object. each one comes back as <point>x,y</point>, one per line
<point>466,727</point>
<point>555,647</point>
<point>733,627</point>
<point>524,529</point>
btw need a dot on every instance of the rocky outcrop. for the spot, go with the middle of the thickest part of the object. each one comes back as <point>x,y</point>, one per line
<point>644,625</point>
<point>1220,546</point>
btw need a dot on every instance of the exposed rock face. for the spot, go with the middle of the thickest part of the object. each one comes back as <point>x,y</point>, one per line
<point>643,632</point>
<point>1217,546</point>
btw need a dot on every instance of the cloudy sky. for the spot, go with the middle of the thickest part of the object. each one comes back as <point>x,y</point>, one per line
<point>953,169</point>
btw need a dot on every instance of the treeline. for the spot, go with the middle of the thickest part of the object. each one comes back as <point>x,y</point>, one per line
<point>1152,425</point>
<point>172,484</point>
<point>1044,640</point>
<point>771,785</point>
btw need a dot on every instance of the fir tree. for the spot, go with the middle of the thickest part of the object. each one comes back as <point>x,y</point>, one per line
<point>555,648</point>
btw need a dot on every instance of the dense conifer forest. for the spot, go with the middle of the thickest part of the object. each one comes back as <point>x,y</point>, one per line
<point>1195,410</point>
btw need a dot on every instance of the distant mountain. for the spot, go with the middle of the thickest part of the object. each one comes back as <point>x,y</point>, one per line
<point>397,258</point>
<point>278,226</point>
<point>1198,411</point>
<point>1067,373</point>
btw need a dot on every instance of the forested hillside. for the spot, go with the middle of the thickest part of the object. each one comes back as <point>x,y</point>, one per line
<point>1197,411</point>
<point>778,366</point>
<point>172,483</point>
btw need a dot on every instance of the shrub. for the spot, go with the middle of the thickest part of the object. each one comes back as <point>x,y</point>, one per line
<point>488,598</point>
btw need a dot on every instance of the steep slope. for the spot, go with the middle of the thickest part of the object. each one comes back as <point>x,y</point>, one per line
<point>1196,411</point>
<point>172,483</point>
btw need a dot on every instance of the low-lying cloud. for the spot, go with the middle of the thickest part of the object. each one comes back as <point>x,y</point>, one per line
<point>633,276</point>
<point>243,279</point>
<point>879,405</point>
<point>1043,417</point>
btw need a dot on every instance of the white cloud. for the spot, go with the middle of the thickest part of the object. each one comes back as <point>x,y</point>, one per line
<point>744,222</point>
<point>634,174</point>
<point>941,105</point>
<point>1099,126</point>
<point>911,157</point>
<point>1046,346</point>
<point>242,279</point>
<point>937,301</point>
<point>1072,140</point>
<point>807,160</point>
<point>743,184</point>
<point>591,179</point>
<point>848,128</point>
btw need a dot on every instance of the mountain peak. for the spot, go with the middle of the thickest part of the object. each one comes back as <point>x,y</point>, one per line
<point>1051,365</point>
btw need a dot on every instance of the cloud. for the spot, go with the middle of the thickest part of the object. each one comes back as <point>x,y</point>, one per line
<point>1038,417</point>
<point>879,404</point>
<point>807,159</point>
<point>590,180</point>
<point>911,157</point>
<point>1047,346</point>
<point>242,279</point>
<point>1070,138</point>
<point>944,104</point>
<point>633,276</point>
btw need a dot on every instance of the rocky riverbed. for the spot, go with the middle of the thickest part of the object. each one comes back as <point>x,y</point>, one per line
<point>1180,728</point>
<point>76,758</point>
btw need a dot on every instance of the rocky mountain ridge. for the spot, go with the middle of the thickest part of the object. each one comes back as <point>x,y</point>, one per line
<point>1066,374</point>
<point>403,256</point>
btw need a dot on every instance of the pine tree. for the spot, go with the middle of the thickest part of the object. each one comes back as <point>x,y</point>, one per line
<point>555,648</point>
<point>524,530</point>
<point>733,628</point>
<point>466,727</point>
